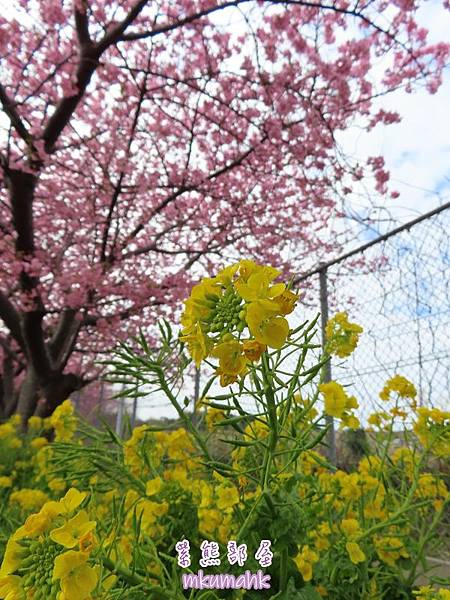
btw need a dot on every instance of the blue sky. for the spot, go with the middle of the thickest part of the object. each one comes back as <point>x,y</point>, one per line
<point>417,150</point>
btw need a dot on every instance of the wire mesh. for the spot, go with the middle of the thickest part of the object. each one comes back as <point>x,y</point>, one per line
<point>398,291</point>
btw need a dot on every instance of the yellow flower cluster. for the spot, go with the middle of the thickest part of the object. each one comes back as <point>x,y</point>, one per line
<point>8,433</point>
<point>29,499</point>
<point>47,557</point>
<point>400,385</point>
<point>63,422</point>
<point>338,404</point>
<point>341,335</point>
<point>351,517</point>
<point>213,416</point>
<point>432,427</point>
<point>220,310</point>
<point>428,593</point>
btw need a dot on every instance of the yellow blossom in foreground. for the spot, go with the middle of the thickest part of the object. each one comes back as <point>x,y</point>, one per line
<point>266,325</point>
<point>11,588</point>
<point>70,534</point>
<point>231,358</point>
<point>286,302</point>
<point>72,500</point>
<point>198,343</point>
<point>40,522</point>
<point>12,558</point>
<point>77,579</point>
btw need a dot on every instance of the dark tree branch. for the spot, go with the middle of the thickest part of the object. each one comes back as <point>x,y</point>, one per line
<point>179,23</point>
<point>9,109</point>
<point>82,28</point>
<point>11,319</point>
<point>116,34</point>
<point>89,61</point>
<point>61,332</point>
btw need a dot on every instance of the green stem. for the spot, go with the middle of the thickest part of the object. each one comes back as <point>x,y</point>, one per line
<point>133,579</point>
<point>283,570</point>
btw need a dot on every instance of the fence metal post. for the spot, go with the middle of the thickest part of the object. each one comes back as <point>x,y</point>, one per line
<point>331,436</point>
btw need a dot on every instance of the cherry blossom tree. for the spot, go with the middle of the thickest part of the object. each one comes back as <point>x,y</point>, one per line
<point>142,141</point>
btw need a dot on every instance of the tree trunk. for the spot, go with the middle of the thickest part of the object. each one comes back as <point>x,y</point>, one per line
<point>40,399</point>
<point>56,391</point>
<point>28,395</point>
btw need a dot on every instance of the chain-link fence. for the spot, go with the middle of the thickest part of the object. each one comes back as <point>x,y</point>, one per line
<point>397,287</point>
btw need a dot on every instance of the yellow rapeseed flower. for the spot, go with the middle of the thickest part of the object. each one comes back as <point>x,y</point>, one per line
<point>227,497</point>
<point>266,325</point>
<point>399,384</point>
<point>153,486</point>
<point>70,534</point>
<point>77,579</point>
<point>305,560</point>
<point>342,336</point>
<point>355,553</point>
<point>335,398</point>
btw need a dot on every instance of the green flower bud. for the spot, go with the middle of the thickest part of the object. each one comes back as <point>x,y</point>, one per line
<point>28,580</point>
<point>213,297</point>
<point>28,561</point>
